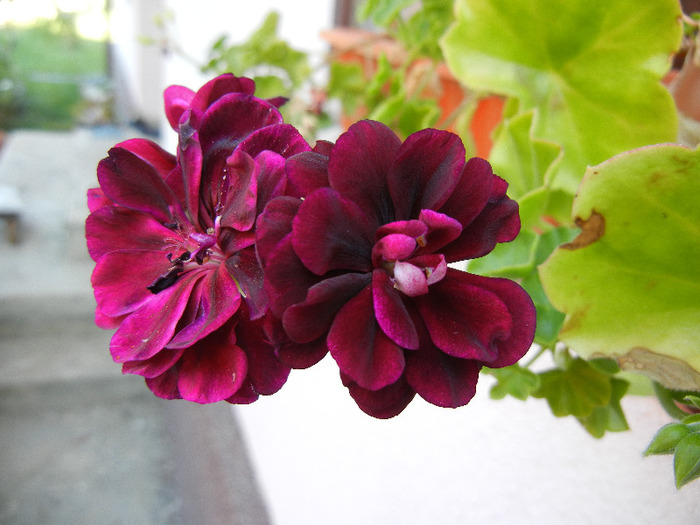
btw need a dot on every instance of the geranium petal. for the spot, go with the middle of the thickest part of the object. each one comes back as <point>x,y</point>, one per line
<point>219,86</point>
<point>499,221</point>
<point>310,319</point>
<point>129,181</point>
<point>471,193</point>
<point>290,353</point>
<point>121,279</point>
<point>522,310</point>
<point>165,385</point>
<point>306,172</point>
<point>286,278</point>
<point>247,273</point>
<point>409,279</point>
<point>213,301</point>
<point>463,318</point>
<point>96,199</point>
<point>425,171</point>
<point>270,174</point>
<point>154,155</point>
<point>240,191</point>
<point>148,329</point>
<point>393,247</point>
<point>331,232</point>
<point>274,224</point>
<point>177,100</point>
<point>391,313</point>
<point>154,366</point>
<point>358,167</point>
<point>384,403</point>
<point>190,158</point>
<point>441,379</point>
<point>212,369</point>
<point>245,394</point>
<point>363,352</point>
<point>283,139</point>
<point>231,119</point>
<point>442,230</point>
<point>113,228</point>
<point>266,372</point>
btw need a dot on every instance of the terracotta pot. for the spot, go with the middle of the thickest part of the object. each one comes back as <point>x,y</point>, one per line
<point>362,47</point>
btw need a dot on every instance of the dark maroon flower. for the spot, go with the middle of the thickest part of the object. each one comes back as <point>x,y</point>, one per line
<point>173,241</point>
<point>358,266</point>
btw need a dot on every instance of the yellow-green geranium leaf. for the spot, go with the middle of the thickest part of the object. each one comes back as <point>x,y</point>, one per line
<point>592,69</point>
<point>629,283</point>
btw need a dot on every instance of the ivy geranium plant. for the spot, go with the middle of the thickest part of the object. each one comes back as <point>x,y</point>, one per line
<point>254,250</point>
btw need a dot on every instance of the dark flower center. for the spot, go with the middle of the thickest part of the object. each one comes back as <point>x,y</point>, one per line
<point>198,249</point>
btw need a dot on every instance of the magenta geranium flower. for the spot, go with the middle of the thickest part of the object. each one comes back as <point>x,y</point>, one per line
<point>359,266</point>
<point>173,241</point>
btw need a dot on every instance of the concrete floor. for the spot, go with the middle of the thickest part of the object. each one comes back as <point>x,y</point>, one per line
<point>79,442</point>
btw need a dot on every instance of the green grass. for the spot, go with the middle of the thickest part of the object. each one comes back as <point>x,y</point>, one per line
<point>46,65</point>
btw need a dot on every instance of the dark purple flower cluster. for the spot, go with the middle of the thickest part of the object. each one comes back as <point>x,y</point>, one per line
<point>249,253</point>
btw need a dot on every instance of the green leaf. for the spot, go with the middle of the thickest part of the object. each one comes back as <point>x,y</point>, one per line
<point>629,284</point>
<point>524,161</point>
<point>605,365</point>
<point>666,439</point>
<point>692,400</point>
<point>576,390</point>
<point>591,69</point>
<point>686,461</point>
<point>514,259</point>
<point>381,12</point>
<point>514,380</point>
<point>608,418</point>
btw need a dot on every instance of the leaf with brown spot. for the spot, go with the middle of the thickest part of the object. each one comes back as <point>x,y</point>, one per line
<point>631,279</point>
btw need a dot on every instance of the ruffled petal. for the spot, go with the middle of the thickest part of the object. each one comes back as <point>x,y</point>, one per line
<point>306,172</point>
<point>283,139</point>
<point>363,352</point>
<point>212,369</point>
<point>248,276</point>
<point>121,279</point>
<point>266,373</point>
<point>149,328</point>
<point>391,313</point>
<point>219,86</point>
<point>331,232</point>
<point>154,366</point>
<point>463,318</point>
<point>231,119</point>
<point>113,228</point>
<point>274,224</point>
<point>165,385</point>
<point>442,230</point>
<point>393,247</point>
<point>487,214</point>
<point>358,167</point>
<point>237,190</point>
<point>212,302</point>
<point>96,199</point>
<point>524,316</point>
<point>287,280</point>
<point>310,319</point>
<point>384,403</point>
<point>293,354</point>
<point>441,379</point>
<point>130,181</point>
<point>177,100</point>
<point>424,172</point>
<point>151,153</point>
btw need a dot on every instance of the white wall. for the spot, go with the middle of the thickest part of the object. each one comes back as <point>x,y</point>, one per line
<point>144,71</point>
